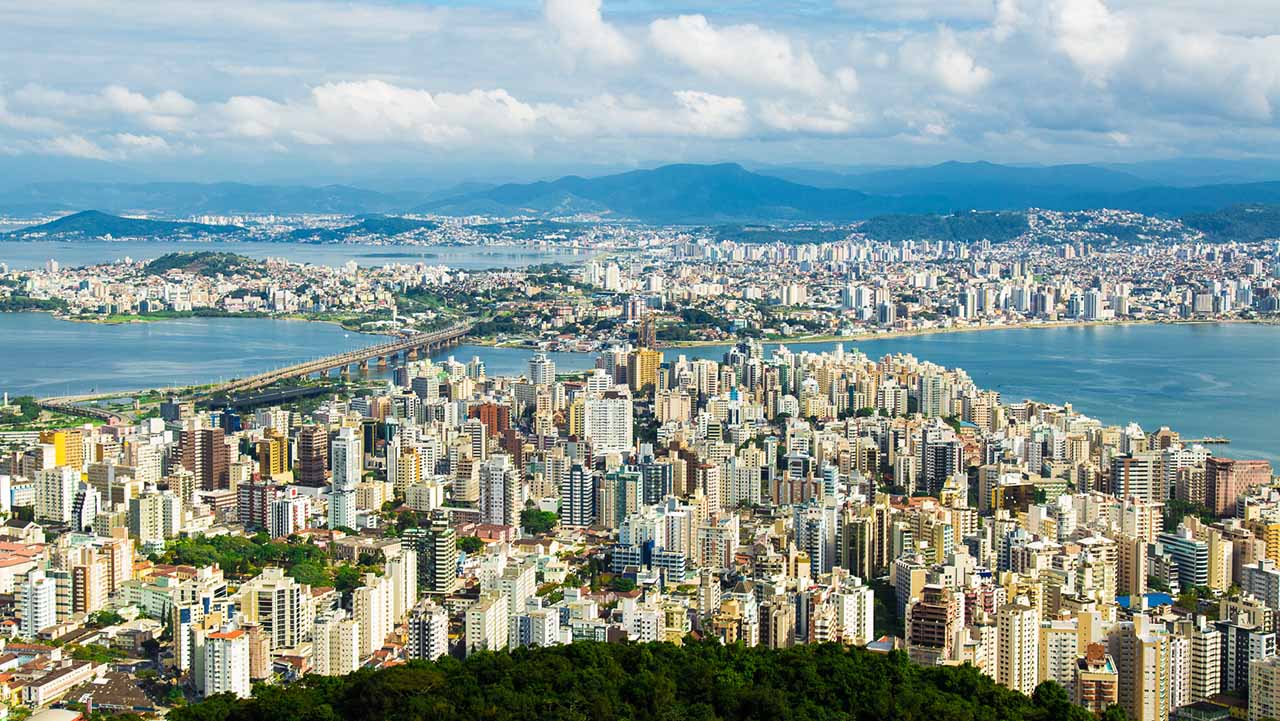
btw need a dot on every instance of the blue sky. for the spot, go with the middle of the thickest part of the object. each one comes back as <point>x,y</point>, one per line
<point>299,88</point>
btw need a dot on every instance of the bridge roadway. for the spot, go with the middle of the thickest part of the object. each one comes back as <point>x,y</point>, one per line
<point>409,345</point>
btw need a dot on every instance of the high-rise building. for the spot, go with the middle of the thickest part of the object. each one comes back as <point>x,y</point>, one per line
<point>487,624</point>
<point>1190,557</point>
<point>1139,475</point>
<point>1261,579</point>
<point>335,645</point>
<point>55,494</point>
<point>1142,657</point>
<point>1264,689</point>
<point>437,553</point>
<point>313,456</point>
<point>578,496</point>
<point>428,631</point>
<point>37,600</point>
<point>1205,658</point>
<point>642,369</point>
<point>499,492</point>
<point>1096,682</point>
<point>347,454</point>
<point>1017,647</point>
<point>933,624</point>
<point>607,422</point>
<point>542,370</point>
<point>204,452</point>
<point>280,604</point>
<point>371,606</point>
<point>226,663</point>
<point>273,454</point>
<point>1225,479</point>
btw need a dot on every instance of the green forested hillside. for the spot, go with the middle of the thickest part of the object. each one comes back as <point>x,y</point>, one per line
<point>603,682</point>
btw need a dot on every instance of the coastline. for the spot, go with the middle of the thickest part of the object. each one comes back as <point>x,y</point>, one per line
<point>520,343</point>
<point>859,337</point>
<point>815,339</point>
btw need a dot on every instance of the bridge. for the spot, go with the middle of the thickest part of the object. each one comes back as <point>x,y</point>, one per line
<point>67,405</point>
<point>411,346</point>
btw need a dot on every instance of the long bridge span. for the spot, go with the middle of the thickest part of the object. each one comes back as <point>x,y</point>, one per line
<point>411,346</point>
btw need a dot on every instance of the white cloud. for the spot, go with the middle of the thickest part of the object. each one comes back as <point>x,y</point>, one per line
<point>1087,32</point>
<point>129,143</point>
<point>582,29</point>
<point>74,146</point>
<point>26,123</point>
<point>377,112</point>
<point>746,54</point>
<point>1008,19</point>
<point>832,119</point>
<point>273,18</point>
<point>165,103</point>
<point>1070,77</point>
<point>919,10</point>
<point>956,68</point>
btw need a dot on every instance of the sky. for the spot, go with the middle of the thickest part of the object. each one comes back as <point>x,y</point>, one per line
<point>274,89</point>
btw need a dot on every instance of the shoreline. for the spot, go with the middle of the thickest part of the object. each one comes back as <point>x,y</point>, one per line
<point>893,335</point>
<point>519,344</point>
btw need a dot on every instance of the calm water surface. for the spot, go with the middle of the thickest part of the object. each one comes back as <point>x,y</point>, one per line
<point>1202,380</point>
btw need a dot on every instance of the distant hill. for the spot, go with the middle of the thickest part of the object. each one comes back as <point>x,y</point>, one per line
<point>1173,202</point>
<point>207,263</point>
<point>730,194</point>
<point>680,194</point>
<point>966,227</point>
<point>722,194</point>
<point>197,198</point>
<point>1248,223</point>
<point>96,224</point>
<point>375,226</point>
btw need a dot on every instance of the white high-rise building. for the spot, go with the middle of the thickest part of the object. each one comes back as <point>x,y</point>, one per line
<point>402,574</point>
<point>346,453</point>
<point>288,513</point>
<point>486,624</point>
<point>428,631</point>
<point>371,607</point>
<point>335,645</point>
<point>37,600</point>
<point>607,423</point>
<point>499,492</point>
<point>1017,647</point>
<point>226,663</point>
<point>855,612</point>
<point>280,604</point>
<point>542,370</point>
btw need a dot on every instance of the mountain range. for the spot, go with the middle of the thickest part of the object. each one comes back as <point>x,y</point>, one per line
<point>686,194</point>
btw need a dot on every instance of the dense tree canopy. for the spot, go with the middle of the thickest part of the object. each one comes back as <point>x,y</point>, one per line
<point>599,682</point>
<point>537,522</point>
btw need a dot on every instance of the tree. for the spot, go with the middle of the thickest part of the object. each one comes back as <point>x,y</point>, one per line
<point>347,578</point>
<point>105,617</point>
<point>649,681</point>
<point>537,522</point>
<point>470,544</point>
